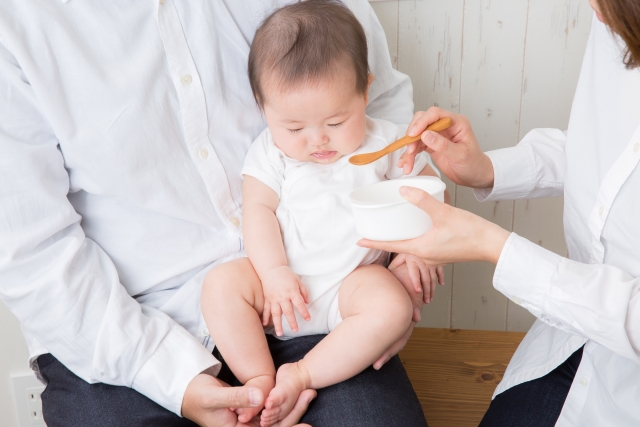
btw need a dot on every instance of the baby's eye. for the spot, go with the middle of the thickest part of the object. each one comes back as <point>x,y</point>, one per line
<point>294,130</point>
<point>335,125</point>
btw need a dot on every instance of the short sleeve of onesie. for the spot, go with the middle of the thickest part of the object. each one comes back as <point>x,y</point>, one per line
<point>264,163</point>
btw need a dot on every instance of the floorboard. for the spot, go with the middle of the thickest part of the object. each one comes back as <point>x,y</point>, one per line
<point>455,372</point>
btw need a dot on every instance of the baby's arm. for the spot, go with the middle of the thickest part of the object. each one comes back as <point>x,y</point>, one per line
<point>282,289</point>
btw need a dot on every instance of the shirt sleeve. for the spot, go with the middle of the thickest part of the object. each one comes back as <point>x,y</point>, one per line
<point>62,286</point>
<point>533,168</point>
<point>597,301</point>
<point>264,163</point>
<point>391,93</point>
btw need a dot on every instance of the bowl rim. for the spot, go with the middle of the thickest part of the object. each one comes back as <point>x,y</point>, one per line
<point>376,205</point>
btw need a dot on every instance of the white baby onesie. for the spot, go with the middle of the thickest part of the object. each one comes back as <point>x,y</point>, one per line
<point>315,216</point>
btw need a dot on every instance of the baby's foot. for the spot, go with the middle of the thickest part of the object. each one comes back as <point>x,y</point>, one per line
<point>265,383</point>
<point>291,380</point>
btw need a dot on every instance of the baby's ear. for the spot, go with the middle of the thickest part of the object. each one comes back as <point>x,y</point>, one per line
<point>370,79</point>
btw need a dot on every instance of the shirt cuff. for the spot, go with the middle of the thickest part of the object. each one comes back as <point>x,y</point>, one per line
<point>524,273</point>
<point>513,175</point>
<point>165,376</point>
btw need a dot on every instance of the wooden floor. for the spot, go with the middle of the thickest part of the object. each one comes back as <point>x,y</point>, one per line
<point>455,372</point>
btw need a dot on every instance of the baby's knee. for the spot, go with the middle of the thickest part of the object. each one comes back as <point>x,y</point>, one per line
<point>229,280</point>
<point>396,311</point>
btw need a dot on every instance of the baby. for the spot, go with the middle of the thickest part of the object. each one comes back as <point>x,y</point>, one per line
<point>309,73</point>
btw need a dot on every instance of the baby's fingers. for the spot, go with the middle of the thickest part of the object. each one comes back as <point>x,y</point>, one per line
<point>425,278</point>
<point>287,309</point>
<point>300,305</point>
<point>266,313</point>
<point>414,275</point>
<point>397,261</point>
<point>276,315</point>
<point>432,282</point>
<point>440,271</point>
<point>304,292</point>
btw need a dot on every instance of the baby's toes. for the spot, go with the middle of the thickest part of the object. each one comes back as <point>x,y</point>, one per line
<point>246,414</point>
<point>269,417</point>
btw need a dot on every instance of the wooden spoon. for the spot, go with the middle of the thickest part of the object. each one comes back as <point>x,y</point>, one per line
<point>366,158</point>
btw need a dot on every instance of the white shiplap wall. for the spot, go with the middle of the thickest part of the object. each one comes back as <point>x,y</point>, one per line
<point>510,66</point>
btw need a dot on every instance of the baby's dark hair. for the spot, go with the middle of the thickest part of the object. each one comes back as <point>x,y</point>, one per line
<point>304,42</point>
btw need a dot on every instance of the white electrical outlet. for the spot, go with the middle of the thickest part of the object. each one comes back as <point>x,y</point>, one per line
<point>26,393</point>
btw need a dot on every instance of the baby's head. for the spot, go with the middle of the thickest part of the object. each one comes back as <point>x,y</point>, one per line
<point>309,73</point>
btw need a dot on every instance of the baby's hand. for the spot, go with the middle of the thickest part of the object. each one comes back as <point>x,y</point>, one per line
<point>423,277</point>
<point>283,291</point>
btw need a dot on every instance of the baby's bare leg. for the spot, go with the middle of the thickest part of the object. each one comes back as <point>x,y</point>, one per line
<point>376,312</point>
<point>232,304</point>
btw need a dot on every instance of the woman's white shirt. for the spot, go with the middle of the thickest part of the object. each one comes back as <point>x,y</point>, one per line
<point>592,298</point>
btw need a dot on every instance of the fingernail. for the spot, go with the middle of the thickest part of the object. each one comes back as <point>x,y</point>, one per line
<point>412,131</point>
<point>416,312</point>
<point>405,191</point>
<point>428,138</point>
<point>411,149</point>
<point>255,397</point>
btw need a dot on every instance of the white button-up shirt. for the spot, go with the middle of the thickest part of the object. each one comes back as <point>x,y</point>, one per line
<point>123,129</point>
<point>593,298</point>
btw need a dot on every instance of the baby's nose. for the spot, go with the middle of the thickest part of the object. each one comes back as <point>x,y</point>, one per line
<point>318,139</point>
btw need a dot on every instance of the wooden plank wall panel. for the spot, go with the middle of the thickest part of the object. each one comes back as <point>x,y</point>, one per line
<point>494,34</point>
<point>557,32</point>
<point>430,51</point>
<point>511,66</point>
<point>387,13</point>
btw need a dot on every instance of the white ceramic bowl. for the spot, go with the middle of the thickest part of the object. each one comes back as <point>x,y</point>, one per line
<point>382,214</point>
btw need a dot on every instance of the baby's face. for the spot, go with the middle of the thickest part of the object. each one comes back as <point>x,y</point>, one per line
<point>317,122</point>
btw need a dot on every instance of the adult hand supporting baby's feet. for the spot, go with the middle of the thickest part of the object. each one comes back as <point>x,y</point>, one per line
<point>207,402</point>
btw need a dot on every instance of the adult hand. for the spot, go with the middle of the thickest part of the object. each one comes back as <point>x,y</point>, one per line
<point>455,151</point>
<point>456,236</point>
<point>208,402</point>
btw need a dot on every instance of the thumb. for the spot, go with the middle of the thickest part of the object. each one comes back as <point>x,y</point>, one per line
<point>236,397</point>
<point>420,198</point>
<point>438,143</point>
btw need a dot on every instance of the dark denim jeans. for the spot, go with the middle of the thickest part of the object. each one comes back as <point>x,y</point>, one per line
<point>536,403</point>
<point>373,398</point>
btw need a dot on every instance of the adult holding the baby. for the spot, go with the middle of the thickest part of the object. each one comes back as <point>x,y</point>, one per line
<point>123,131</point>
<point>579,365</point>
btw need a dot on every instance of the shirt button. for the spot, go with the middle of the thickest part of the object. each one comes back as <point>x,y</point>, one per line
<point>161,1</point>
<point>186,79</point>
<point>517,300</point>
<point>583,382</point>
<point>235,221</point>
<point>203,153</point>
<point>636,147</point>
<point>601,210</point>
<point>205,332</point>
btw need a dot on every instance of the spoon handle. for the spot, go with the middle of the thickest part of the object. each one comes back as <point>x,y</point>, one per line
<point>437,126</point>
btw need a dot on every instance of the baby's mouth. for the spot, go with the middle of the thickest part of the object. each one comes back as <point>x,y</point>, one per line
<point>323,155</point>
